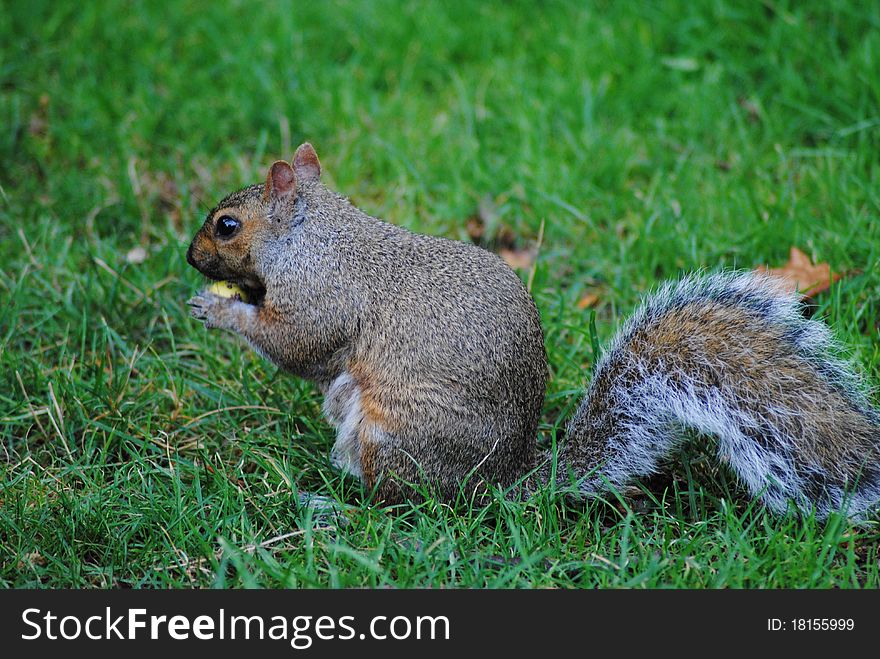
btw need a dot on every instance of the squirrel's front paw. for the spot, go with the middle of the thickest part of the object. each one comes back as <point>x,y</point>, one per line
<point>215,311</point>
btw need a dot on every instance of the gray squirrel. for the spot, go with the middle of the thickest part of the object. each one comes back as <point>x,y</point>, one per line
<point>430,356</point>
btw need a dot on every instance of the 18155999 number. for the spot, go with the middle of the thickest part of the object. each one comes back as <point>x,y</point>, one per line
<point>811,624</point>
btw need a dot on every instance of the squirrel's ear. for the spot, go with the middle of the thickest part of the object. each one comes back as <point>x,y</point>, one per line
<point>306,163</point>
<point>281,181</point>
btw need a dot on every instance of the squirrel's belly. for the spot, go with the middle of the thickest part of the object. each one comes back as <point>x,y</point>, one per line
<point>342,407</point>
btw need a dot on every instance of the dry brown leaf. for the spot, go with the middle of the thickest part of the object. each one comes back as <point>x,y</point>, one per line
<point>588,300</point>
<point>518,259</point>
<point>803,275</point>
<point>485,230</point>
<point>475,229</point>
<point>32,559</point>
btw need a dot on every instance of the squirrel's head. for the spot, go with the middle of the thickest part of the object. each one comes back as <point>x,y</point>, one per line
<point>237,230</point>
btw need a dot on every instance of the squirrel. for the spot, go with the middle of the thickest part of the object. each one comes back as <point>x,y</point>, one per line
<point>430,355</point>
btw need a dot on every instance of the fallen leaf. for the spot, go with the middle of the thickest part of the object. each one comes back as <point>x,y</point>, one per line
<point>518,259</point>
<point>485,230</point>
<point>32,559</point>
<point>475,229</point>
<point>587,301</point>
<point>803,275</point>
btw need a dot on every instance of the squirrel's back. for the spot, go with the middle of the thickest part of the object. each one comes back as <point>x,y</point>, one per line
<point>732,356</point>
<point>448,353</point>
<point>433,312</point>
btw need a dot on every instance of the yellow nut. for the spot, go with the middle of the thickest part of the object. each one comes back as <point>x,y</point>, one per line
<point>227,289</point>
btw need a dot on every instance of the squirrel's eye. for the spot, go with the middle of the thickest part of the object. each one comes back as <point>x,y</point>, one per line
<point>227,226</point>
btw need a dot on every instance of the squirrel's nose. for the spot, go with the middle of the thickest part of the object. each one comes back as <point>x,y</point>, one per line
<point>189,256</point>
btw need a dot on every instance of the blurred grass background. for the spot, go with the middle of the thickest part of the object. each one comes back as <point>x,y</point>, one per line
<point>639,140</point>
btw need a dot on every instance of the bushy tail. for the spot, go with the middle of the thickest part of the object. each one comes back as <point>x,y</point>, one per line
<point>732,356</point>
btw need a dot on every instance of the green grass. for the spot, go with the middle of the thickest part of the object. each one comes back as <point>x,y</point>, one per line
<point>646,138</point>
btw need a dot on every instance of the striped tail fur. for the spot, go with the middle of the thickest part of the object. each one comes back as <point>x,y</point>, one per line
<point>730,355</point>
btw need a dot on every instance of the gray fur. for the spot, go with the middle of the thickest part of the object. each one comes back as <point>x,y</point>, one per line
<point>791,419</point>
<point>342,407</point>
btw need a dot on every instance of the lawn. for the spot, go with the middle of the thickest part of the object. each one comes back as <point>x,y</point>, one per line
<point>626,142</point>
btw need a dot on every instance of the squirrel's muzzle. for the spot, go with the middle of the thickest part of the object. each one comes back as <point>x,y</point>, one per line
<point>203,260</point>
<point>189,257</point>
